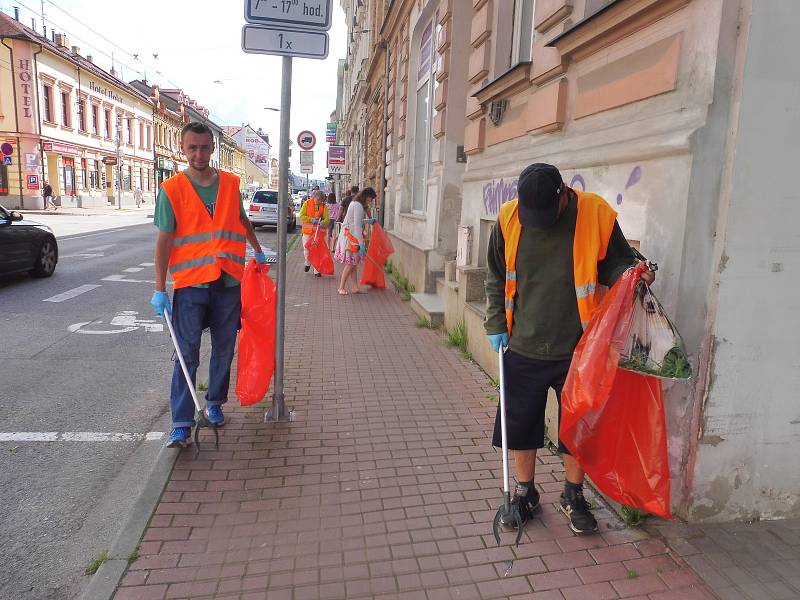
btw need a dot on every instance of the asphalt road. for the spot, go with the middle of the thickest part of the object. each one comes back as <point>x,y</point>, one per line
<point>81,352</point>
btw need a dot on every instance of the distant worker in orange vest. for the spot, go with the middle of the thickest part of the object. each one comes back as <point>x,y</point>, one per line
<point>549,252</point>
<point>314,217</point>
<point>202,235</point>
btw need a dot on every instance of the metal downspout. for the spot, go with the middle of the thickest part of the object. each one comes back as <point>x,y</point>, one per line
<point>386,56</point>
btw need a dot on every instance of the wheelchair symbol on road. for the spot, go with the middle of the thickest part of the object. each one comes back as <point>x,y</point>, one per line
<point>125,321</point>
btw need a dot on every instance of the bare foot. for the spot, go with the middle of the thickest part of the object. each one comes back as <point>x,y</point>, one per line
<point>342,292</point>
<point>360,290</point>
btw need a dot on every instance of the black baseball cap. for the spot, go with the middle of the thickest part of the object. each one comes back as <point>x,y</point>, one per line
<point>538,190</point>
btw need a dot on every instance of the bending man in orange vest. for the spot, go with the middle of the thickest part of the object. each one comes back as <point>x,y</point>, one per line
<point>315,219</point>
<point>202,237</point>
<point>549,253</point>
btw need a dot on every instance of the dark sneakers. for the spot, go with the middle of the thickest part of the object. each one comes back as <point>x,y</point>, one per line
<point>574,505</point>
<point>526,496</point>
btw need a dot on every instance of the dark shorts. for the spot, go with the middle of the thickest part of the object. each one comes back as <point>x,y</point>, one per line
<point>527,383</point>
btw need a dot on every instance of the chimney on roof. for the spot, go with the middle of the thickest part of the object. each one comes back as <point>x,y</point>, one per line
<point>113,72</point>
<point>89,58</point>
<point>16,13</point>
<point>76,50</point>
<point>61,40</point>
<point>52,35</point>
<point>33,25</point>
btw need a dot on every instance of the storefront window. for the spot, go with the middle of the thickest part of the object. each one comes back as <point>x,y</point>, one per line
<point>80,179</point>
<point>3,180</point>
<point>129,179</point>
<point>94,175</point>
<point>68,177</point>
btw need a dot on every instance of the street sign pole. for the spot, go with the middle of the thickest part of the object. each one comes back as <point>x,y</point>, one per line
<point>278,411</point>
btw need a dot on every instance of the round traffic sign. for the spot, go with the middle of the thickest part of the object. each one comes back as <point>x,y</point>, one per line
<point>7,148</point>
<point>306,140</point>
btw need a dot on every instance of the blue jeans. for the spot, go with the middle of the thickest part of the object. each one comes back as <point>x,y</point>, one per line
<point>194,309</point>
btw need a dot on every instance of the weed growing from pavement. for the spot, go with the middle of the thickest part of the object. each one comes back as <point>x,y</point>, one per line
<point>202,386</point>
<point>423,323</point>
<point>459,338</point>
<point>292,243</point>
<point>97,562</point>
<point>401,284</point>
<point>633,517</point>
<point>134,555</point>
<point>632,574</point>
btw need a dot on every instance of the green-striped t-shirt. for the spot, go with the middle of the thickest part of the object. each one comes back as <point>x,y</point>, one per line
<point>164,216</point>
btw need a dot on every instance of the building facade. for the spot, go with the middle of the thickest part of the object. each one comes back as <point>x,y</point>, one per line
<point>72,124</point>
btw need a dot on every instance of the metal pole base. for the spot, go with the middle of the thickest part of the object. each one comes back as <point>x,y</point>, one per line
<point>278,413</point>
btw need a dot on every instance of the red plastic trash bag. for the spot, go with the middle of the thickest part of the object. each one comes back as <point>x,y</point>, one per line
<point>318,254</point>
<point>612,420</point>
<point>379,251</point>
<point>256,361</point>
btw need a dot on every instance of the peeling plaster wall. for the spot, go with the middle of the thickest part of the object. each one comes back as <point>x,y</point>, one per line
<point>746,461</point>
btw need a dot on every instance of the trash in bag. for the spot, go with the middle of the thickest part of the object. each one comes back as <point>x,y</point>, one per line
<point>654,346</point>
<point>378,252</point>
<point>612,420</point>
<point>318,254</point>
<point>256,361</point>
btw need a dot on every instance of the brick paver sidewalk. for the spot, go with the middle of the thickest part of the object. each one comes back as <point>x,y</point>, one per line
<point>384,485</point>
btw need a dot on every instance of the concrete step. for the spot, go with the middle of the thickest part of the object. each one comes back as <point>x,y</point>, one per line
<point>428,306</point>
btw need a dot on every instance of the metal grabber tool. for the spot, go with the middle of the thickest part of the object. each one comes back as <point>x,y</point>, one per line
<point>201,420</point>
<point>508,512</point>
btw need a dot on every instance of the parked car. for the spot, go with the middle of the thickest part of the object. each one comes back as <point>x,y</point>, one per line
<point>263,210</point>
<point>26,246</point>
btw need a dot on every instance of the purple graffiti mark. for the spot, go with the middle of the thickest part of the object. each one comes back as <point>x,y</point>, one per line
<point>633,179</point>
<point>495,193</point>
<point>578,179</point>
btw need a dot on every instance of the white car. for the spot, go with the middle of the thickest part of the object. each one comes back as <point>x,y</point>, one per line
<point>263,210</point>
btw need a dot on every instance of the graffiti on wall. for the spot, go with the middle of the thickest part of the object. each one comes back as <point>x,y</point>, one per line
<point>495,193</point>
<point>635,177</point>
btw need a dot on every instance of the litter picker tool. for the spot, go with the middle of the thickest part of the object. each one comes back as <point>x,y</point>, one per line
<point>202,419</point>
<point>508,512</point>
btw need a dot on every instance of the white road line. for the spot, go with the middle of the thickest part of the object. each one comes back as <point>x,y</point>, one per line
<point>78,237</point>
<point>124,279</point>
<point>132,270</point>
<point>72,293</point>
<point>100,248</point>
<point>147,264</point>
<point>78,436</point>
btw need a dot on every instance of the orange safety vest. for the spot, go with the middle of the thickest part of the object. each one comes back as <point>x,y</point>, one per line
<point>312,211</point>
<point>592,231</point>
<point>202,247</point>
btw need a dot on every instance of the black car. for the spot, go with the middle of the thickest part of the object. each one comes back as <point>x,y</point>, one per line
<point>26,246</point>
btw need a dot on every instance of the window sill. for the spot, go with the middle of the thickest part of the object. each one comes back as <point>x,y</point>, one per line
<point>49,123</point>
<point>414,216</point>
<point>513,80</point>
<point>610,24</point>
<point>67,128</point>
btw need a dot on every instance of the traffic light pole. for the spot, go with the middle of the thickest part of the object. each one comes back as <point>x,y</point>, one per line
<point>278,411</point>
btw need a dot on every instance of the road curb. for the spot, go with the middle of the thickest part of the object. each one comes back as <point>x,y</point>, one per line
<point>105,582</point>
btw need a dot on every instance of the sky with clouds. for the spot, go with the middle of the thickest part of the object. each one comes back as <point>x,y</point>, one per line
<point>199,50</point>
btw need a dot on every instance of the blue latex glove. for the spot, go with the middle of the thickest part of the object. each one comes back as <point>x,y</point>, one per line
<point>362,249</point>
<point>160,302</point>
<point>315,221</point>
<point>260,258</point>
<point>371,221</point>
<point>498,340</point>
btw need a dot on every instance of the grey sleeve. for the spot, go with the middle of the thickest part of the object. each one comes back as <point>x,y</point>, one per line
<point>495,283</point>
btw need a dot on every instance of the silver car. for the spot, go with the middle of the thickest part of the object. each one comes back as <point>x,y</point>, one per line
<point>263,210</point>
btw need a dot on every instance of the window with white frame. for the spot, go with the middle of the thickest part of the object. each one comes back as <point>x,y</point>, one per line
<point>423,117</point>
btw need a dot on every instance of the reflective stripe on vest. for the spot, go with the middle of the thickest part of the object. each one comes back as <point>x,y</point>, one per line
<point>593,229</point>
<point>203,247</point>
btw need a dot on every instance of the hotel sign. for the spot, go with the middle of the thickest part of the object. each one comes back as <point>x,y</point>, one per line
<point>104,92</point>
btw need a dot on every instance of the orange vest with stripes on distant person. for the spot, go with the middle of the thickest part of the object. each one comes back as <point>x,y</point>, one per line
<point>311,210</point>
<point>592,232</point>
<point>203,247</point>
